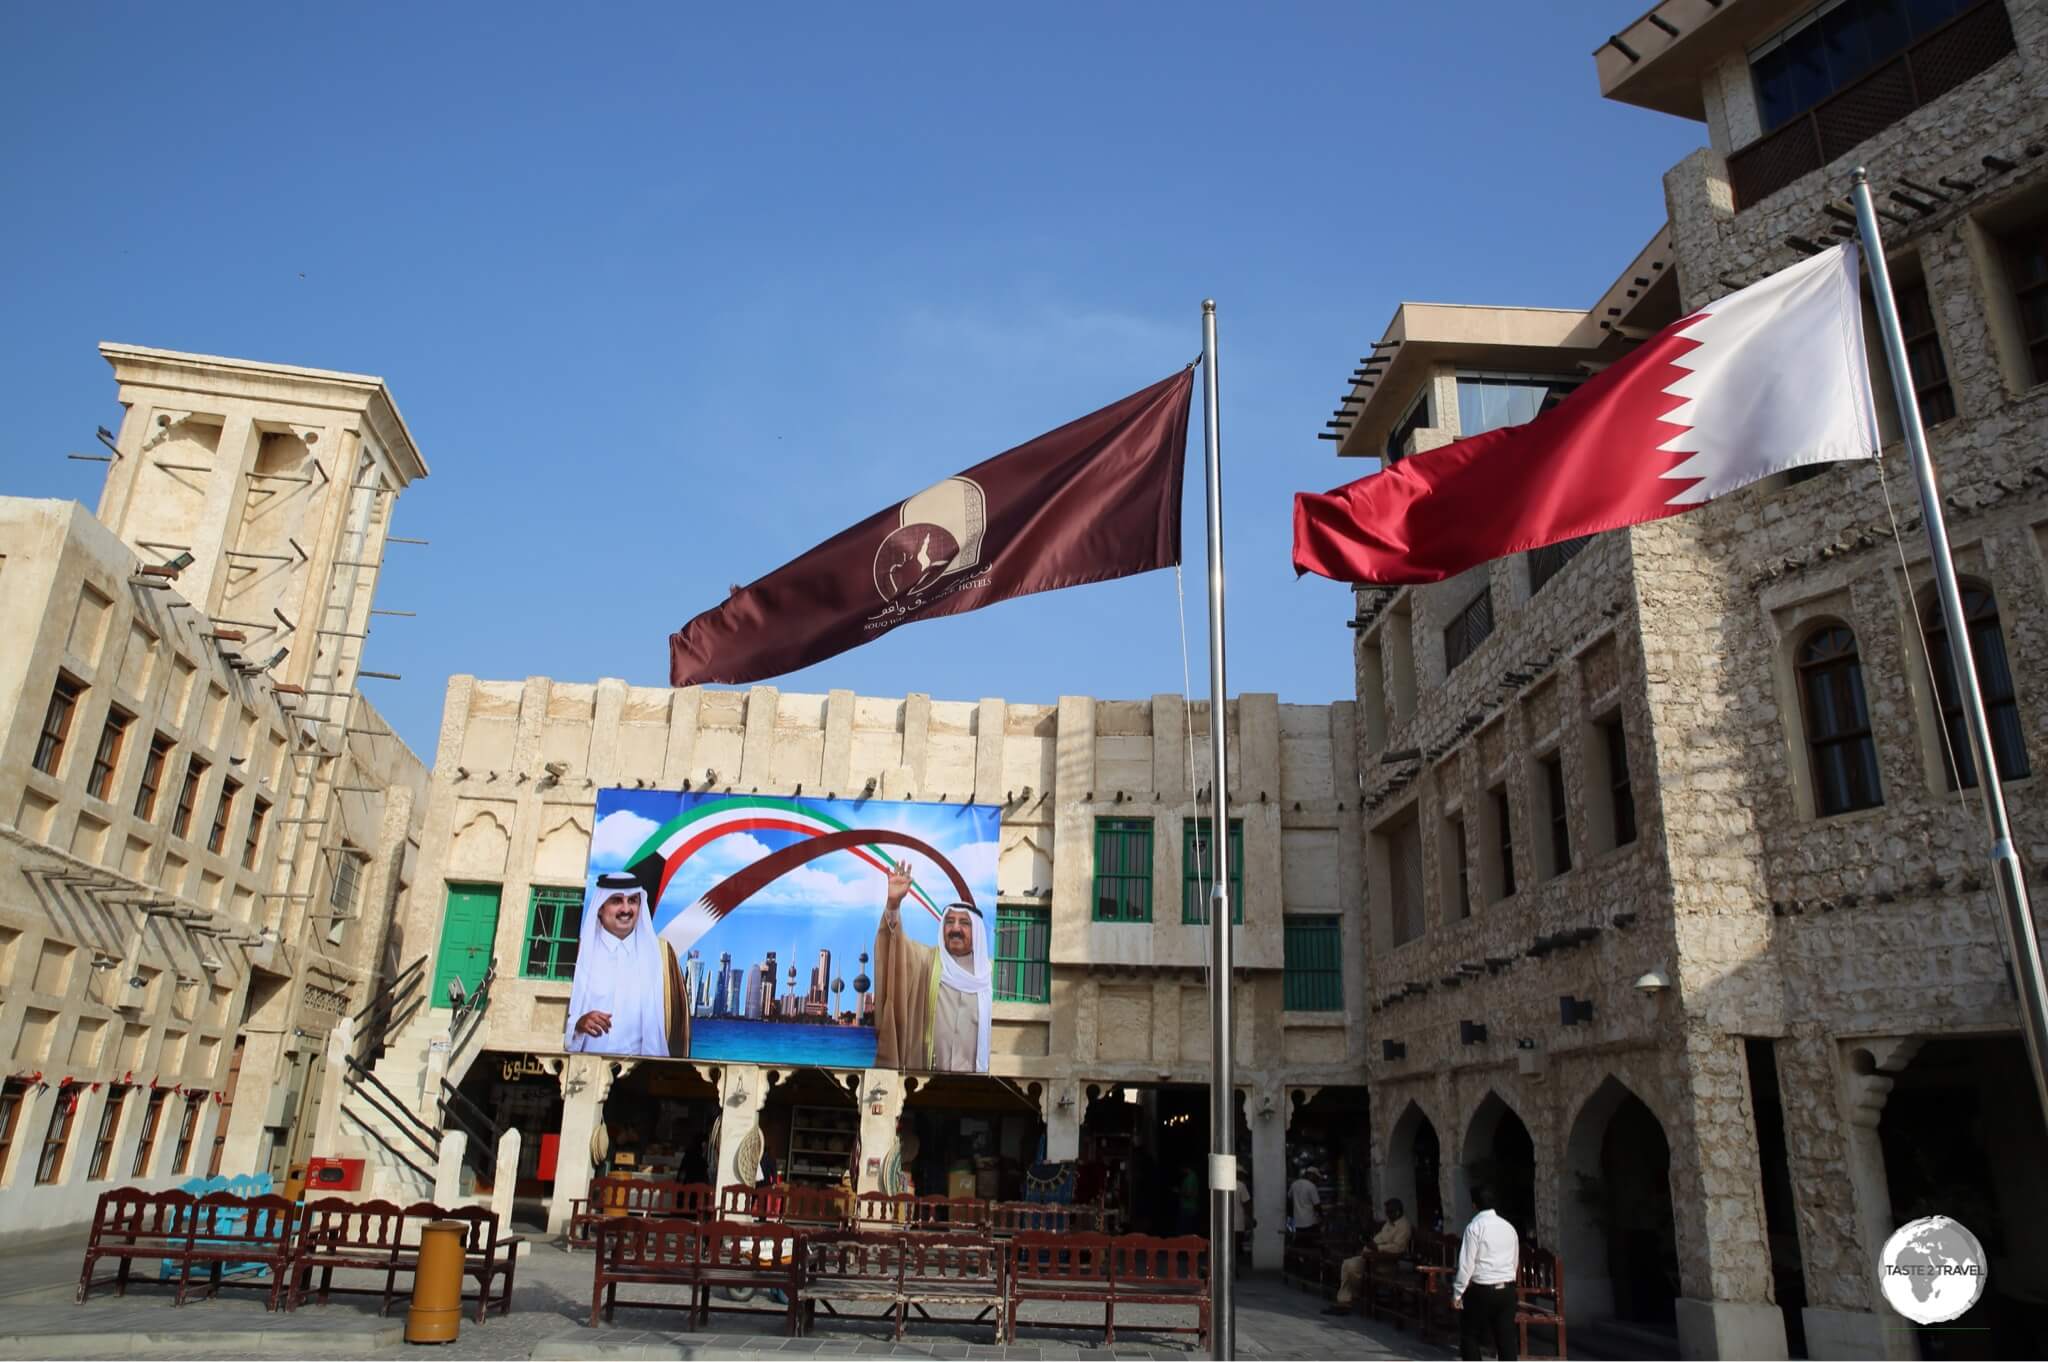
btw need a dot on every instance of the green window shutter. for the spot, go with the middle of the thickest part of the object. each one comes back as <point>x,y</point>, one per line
<point>1198,870</point>
<point>1023,954</point>
<point>553,933</point>
<point>1123,870</point>
<point>1313,978</point>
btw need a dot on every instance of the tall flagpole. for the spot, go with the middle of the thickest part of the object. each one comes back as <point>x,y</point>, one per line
<point>1222,1091</point>
<point>2023,946</point>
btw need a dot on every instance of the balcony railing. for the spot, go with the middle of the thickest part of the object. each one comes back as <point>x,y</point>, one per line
<point>1925,71</point>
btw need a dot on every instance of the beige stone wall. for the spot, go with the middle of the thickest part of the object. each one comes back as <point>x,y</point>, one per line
<point>1846,940</point>
<point>1129,1000</point>
<point>232,945</point>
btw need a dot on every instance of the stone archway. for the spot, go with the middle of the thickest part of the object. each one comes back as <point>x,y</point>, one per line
<point>1620,1239</point>
<point>1413,1167</point>
<point>1499,1153</point>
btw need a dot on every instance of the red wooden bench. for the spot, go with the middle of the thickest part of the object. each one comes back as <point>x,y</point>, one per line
<point>1056,1267</point>
<point>1539,1295</point>
<point>787,1204</point>
<point>903,1211</point>
<point>336,1235</point>
<point>1009,1218</point>
<point>128,1224</point>
<point>616,1195</point>
<point>699,1259</point>
<point>1145,1270</point>
<point>860,1267</point>
<point>487,1254</point>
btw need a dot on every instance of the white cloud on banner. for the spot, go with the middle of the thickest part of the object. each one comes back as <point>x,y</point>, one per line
<point>618,835</point>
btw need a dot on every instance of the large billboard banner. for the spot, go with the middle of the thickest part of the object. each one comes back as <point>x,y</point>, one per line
<point>832,932</point>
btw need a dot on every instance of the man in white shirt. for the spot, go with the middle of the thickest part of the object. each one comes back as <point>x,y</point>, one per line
<point>1304,1200</point>
<point>1483,1292</point>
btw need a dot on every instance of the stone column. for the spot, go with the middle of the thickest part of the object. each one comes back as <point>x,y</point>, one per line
<point>879,1115</point>
<point>743,1093</point>
<point>1867,1084</point>
<point>264,1067</point>
<point>586,1079</point>
<point>448,1168</point>
<point>1268,1167</point>
<point>1066,1106</point>
<point>505,1180</point>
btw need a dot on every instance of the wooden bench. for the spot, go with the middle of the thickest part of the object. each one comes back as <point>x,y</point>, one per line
<point>1007,1219</point>
<point>215,1233</point>
<point>1056,1267</point>
<point>787,1204</point>
<point>617,1195</point>
<point>487,1253</point>
<point>934,1214</point>
<point>952,1269</point>
<point>699,1259</point>
<point>128,1224</point>
<point>1539,1295</point>
<point>1147,1270</point>
<point>1399,1289</point>
<point>336,1235</point>
<point>862,1267</point>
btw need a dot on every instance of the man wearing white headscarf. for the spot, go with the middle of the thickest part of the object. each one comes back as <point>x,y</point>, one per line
<point>627,997</point>
<point>933,1003</point>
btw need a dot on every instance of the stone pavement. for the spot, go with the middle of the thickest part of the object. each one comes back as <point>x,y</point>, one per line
<point>552,1306</point>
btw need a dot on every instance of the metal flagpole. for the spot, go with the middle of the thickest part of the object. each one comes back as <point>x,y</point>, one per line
<point>1222,1091</point>
<point>2022,944</point>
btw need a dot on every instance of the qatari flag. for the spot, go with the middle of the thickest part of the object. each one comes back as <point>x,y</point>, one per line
<point>1096,499</point>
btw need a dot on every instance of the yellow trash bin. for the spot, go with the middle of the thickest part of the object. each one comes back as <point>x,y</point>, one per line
<point>295,1182</point>
<point>436,1314</point>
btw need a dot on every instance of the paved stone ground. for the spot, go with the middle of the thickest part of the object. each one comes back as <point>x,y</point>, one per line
<point>551,1308</point>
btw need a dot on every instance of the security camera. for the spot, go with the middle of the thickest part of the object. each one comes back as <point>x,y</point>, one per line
<point>1653,983</point>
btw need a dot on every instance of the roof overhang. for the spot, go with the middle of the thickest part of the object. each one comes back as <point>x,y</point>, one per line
<point>1658,61</point>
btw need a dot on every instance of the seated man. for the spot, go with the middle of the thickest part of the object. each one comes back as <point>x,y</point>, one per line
<point>1390,1242</point>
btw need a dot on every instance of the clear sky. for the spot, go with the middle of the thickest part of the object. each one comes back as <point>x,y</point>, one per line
<point>670,293</point>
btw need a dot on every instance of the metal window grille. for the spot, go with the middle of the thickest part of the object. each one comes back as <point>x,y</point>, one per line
<point>1994,679</point>
<point>1839,743</point>
<point>1560,822</point>
<point>110,1126</point>
<point>223,812</point>
<point>58,1136</point>
<point>1927,365</point>
<point>1462,855</point>
<point>348,869</point>
<point>553,933</point>
<point>253,840</point>
<point>100,780</point>
<point>152,1121</point>
<point>57,725</point>
<point>1123,870</point>
<point>1468,629</point>
<point>188,1124</point>
<point>188,796</point>
<point>1503,821</point>
<point>1927,69</point>
<point>1618,785</point>
<point>1023,954</point>
<point>1548,561</point>
<point>2026,261</point>
<point>152,777</point>
<point>1313,965</point>
<point>1198,869</point>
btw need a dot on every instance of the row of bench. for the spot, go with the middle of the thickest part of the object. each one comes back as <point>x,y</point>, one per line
<point>897,1270</point>
<point>614,1197</point>
<point>1412,1289</point>
<point>289,1243</point>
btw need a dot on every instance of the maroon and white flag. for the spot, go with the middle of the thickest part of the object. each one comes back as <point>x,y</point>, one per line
<point>1096,499</point>
<point>1768,378</point>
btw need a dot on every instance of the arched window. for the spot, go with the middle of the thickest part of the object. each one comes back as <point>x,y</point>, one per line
<point>1838,741</point>
<point>1994,678</point>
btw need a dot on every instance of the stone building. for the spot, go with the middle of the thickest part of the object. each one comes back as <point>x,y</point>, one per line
<point>1680,933</point>
<point>207,828</point>
<point>1103,1028</point>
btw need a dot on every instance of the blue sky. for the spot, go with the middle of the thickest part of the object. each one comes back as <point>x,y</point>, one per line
<point>670,293</point>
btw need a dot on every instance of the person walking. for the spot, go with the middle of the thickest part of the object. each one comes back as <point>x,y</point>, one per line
<point>1483,1292</point>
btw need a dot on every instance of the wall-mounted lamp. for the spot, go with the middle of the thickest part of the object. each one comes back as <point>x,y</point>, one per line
<point>1266,1107</point>
<point>1066,1101</point>
<point>1471,1033</point>
<point>877,1093</point>
<point>1395,1049</point>
<point>1571,1011</point>
<point>1653,983</point>
<point>1522,1044</point>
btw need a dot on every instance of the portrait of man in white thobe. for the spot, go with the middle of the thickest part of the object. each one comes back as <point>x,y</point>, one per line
<point>933,1003</point>
<point>627,997</point>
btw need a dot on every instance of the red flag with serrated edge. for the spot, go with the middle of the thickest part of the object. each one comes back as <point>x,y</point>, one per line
<point>1096,499</point>
<point>1768,378</point>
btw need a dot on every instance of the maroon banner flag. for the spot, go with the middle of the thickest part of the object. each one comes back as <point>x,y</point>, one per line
<point>1096,499</point>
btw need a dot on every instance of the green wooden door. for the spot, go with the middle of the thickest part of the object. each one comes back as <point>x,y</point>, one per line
<point>467,930</point>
